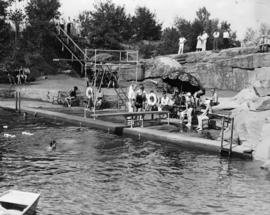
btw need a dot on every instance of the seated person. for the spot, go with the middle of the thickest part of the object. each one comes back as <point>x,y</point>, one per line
<point>204,114</point>
<point>164,102</point>
<point>99,101</point>
<point>11,79</point>
<point>188,111</point>
<point>176,98</point>
<point>140,99</point>
<point>152,101</point>
<point>214,97</point>
<point>72,96</point>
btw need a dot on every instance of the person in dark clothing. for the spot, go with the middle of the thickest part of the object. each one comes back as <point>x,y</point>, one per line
<point>140,99</point>
<point>72,96</point>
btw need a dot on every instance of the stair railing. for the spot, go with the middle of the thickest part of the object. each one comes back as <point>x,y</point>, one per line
<point>72,53</point>
<point>62,31</point>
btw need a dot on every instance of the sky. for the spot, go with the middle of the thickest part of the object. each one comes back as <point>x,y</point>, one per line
<point>242,14</point>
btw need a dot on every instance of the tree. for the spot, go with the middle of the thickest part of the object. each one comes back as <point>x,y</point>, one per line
<point>107,26</point>
<point>40,14</point>
<point>252,36</point>
<point>203,22</point>
<point>16,16</point>
<point>169,41</point>
<point>203,17</point>
<point>185,29</point>
<point>4,34</point>
<point>145,25</point>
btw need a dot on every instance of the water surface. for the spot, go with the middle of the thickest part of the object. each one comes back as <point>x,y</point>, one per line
<point>92,172</point>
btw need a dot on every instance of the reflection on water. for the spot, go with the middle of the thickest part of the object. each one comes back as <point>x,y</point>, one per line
<point>92,172</point>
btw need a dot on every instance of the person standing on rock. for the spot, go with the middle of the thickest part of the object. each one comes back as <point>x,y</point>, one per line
<point>226,37</point>
<point>204,38</point>
<point>216,37</point>
<point>182,41</point>
<point>199,43</point>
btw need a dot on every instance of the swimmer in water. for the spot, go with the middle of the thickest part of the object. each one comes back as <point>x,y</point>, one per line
<point>52,146</point>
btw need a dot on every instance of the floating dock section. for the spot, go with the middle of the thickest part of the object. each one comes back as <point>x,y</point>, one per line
<point>193,143</point>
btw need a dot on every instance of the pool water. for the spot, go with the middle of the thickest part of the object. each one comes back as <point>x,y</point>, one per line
<point>92,172</point>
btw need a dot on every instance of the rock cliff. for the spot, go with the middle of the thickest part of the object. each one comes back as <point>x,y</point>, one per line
<point>230,69</point>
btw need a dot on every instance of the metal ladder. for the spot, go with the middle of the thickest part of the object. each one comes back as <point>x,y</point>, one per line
<point>122,98</point>
<point>223,150</point>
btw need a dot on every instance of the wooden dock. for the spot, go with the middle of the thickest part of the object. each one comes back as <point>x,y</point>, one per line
<point>178,139</point>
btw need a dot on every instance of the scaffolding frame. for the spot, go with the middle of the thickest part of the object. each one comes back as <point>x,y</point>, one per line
<point>123,58</point>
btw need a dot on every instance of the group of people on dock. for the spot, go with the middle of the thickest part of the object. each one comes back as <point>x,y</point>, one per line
<point>182,105</point>
<point>202,41</point>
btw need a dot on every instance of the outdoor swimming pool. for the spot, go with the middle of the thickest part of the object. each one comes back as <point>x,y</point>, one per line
<point>92,172</point>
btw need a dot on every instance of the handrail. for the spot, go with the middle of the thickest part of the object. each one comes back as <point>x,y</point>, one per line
<point>69,38</point>
<point>70,51</point>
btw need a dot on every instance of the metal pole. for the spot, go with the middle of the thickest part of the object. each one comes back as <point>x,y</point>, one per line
<point>84,63</point>
<point>222,133</point>
<point>137,63</point>
<point>232,122</point>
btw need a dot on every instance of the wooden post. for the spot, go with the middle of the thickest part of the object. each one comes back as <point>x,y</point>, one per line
<point>168,119</point>
<point>222,133</point>
<point>231,142</point>
<point>19,98</point>
<point>16,100</point>
<point>84,112</point>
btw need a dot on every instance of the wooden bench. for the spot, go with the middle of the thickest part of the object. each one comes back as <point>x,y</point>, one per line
<point>132,117</point>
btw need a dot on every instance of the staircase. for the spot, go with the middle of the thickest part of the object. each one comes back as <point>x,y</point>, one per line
<point>122,98</point>
<point>76,53</point>
<point>181,59</point>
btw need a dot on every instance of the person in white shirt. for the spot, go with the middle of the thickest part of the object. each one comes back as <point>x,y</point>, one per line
<point>90,96</point>
<point>214,97</point>
<point>131,97</point>
<point>216,37</point>
<point>199,43</point>
<point>188,111</point>
<point>204,38</point>
<point>226,37</point>
<point>204,114</point>
<point>164,101</point>
<point>182,41</point>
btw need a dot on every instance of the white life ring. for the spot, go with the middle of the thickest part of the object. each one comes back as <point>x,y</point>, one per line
<point>89,92</point>
<point>152,99</point>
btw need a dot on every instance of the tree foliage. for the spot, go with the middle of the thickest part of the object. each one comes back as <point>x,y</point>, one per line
<point>41,14</point>
<point>203,22</point>
<point>169,38</point>
<point>145,25</point>
<point>4,33</point>
<point>253,36</point>
<point>106,26</point>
